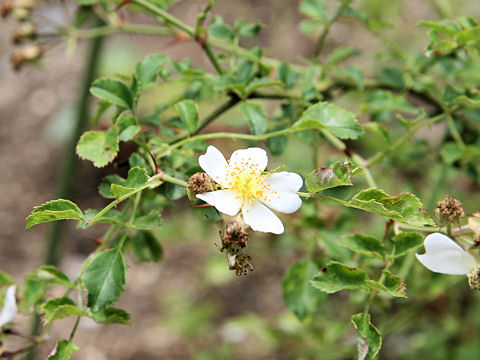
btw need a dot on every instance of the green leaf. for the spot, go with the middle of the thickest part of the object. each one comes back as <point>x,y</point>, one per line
<point>127,127</point>
<point>188,114</point>
<point>393,77</point>
<point>220,30</point>
<point>363,244</point>
<point>257,119</point>
<point>390,283</point>
<point>64,350</point>
<point>102,106</point>
<point>145,247</point>
<point>111,216</point>
<point>51,274</point>
<point>137,177</point>
<point>151,221</point>
<point>450,153</point>
<point>59,308</point>
<point>286,75</point>
<point>335,277</point>
<point>405,242</point>
<point>341,53</point>
<point>247,29</point>
<point>113,91</point>
<point>105,186</point>
<point>104,279</point>
<point>316,9</point>
<point>147,69</point>
<point>328,116</point>
<point>33,291</point>
<point>277,144</point>
<point>340,174</point>
<point>54,210</point>
<point>405,207</point>
<point>299,295</point>
<point>370,340</point>
<point>111,316</point>
<point>100,147</point>
<point>351,74</point>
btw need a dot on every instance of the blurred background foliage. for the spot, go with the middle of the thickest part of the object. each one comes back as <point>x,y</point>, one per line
<point>190,305</point>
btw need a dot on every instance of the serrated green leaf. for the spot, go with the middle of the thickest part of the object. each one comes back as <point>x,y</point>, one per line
<point>352,74</point>
<point>342,53</point>
<point>145,247</point>
<point>137,177</point>
<point>335,277</point>
<point>104,279</point>
<point>111,316</point>
<point>218,29</point>
<point>111,216</point>
<point>405,207</point>
<point>339,174</point>
<point>151,221</point>
<point>127,127</point>
<point>188,111</point>
<point>393,77</point>
<point>59,308</point>
<point>147,69</point>
<point>450,153</point>
<point>100,147</point>
<point>64,350</point>
<point>257,119</point>
<point>54,210</point>
<point>364,244</point>
<point>247,29</point>
<point>389,283</point>
<point>327,116</point>
<point>370,340</point>
<point>406,242</point>
<point>299,295</point>
<point>113,91</point>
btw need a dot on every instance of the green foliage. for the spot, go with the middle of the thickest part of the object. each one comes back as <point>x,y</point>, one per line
<point>299,295</point>
<point>127,127</point>
<point>363,244</point>
<point>406,242</point>
<point>100,147</point>
<point>137,177</point>
<point>370,340</point>
<point>64,350</point>
<point>332,118</point>
<point>111,316</point>
<point>104,279</point>
<point>188,111</point>
<point>339,174</point>
<point>404,208</point>
<point>59,308</point>
<point>335,277</point>
<point>257,119</point>
<point>113,91</point>
<point>54,210</point>
<point>389,283</point>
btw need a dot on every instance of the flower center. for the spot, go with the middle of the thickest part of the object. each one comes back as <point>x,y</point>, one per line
<point>247,182</point>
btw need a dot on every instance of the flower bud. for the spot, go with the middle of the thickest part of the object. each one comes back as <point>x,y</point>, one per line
<point>449,210</point>
<point>199,183</point>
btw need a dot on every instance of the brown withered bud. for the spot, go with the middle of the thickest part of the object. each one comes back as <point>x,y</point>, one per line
<point>234,238</point>
<point>25,54</point>
<point>449,210</point>
<point>474,279</point>
<point>241,264</point>
<point>199,183</point>
<point>25,31</point>
<point>6,8</point>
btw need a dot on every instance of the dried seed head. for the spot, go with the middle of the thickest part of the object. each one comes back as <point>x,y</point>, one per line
<point>241,264</point>
<point>200,183</point>
<point>234,238</point>
<point>26,30</point>
<point>474,279</point>
<point>449,210</point>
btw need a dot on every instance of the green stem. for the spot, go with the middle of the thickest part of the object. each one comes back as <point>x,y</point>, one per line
<point>75,327</point>
<point>454,132</point>
<point>328,25</point>
<point>120,28</point>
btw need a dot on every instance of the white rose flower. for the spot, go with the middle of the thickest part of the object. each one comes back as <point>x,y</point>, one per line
<point>9,307</point>
<point>445,256</point>
<point>246,187</point>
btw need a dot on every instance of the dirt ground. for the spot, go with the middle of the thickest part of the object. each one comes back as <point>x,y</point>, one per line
<point>34,114</point>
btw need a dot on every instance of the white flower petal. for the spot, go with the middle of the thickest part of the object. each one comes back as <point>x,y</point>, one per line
<point>285,182</point>
<point>252,158</point>
<point>225,201</point>
<point>9,307</point>
<point>260,218</point>
<point>283,202</point>
<point>443,255</point>
<point>214,164</point>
